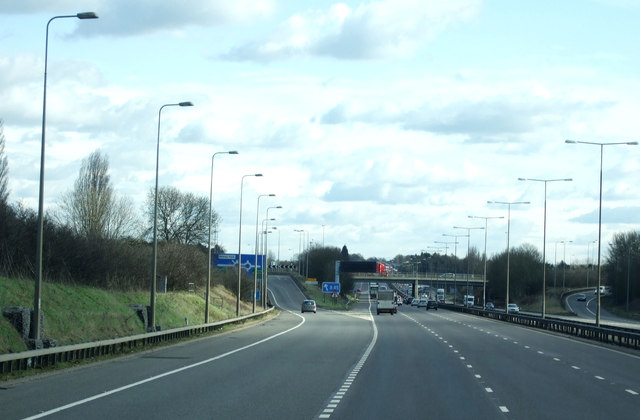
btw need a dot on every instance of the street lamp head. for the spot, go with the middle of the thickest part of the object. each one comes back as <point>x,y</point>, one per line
<point>233,152</point>
<point>87,15</point>
<point>271,195</point>
<point>257,175</point>
<point>278,207</point>
<point>570,141</point>
<point>188,103</point>
<point>632,143</point>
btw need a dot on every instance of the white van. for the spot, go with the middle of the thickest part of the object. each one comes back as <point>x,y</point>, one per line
<point>468,301</point>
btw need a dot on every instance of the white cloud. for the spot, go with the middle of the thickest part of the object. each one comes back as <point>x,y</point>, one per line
<point>375,30</point>
<point>125,18</point>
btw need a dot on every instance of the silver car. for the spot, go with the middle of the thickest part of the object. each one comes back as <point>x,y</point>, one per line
<point>513,308</point>
<point>309,306</point>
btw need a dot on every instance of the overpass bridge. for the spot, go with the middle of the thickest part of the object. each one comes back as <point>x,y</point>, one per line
<point>452,285</point>
<point>430,279</point>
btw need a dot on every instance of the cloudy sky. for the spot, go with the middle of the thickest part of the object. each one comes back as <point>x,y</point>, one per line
<point>379,125</point>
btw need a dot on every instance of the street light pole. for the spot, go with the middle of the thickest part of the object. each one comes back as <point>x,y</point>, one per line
<point>508,203</point>
<point>468,248</point>
<point>544,237</point>
<point>154,252</point>
<point>446,252</point>
<point>255,263</point>
<point>630,143</point>
<point>37,327</point>
<point>208,292</point>
<point>263,236</point>
<point>240,244</point>
<point>455,269</point>
<point>266,252</point>
<point>564,261</point>
<point>301,232</point>
<point>589,259</point>
<point>484,277</point>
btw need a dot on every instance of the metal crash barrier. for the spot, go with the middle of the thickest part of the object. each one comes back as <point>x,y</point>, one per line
<point>624,337</point>
<point>34,359</point>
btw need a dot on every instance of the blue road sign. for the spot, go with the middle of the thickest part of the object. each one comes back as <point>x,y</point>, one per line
<point>231,260</point>
<point>330,287</point>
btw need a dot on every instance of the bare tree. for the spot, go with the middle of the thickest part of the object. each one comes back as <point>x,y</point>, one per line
<point>182,217</point>
<point>4,170</point>
<point>91,209</point>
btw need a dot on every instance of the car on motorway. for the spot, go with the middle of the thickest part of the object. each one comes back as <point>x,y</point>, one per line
<point>432,304</point>
<point>422,303</point>
<point>309,305</point>
<point>513,308</point>
<point>408,300</point>
<point>415,301</point>
<point>489,306</point>
<point>580,297</point>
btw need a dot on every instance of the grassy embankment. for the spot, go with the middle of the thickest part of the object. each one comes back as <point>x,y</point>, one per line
<point>323,300</point>
<point>80,314</point>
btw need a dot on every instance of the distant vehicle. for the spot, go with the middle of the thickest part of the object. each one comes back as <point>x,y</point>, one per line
<point>309,306</point>
<point>581,297</point>
<point>604,290</point>
<point>399,300</point>
<point>489,306</point>
<point>415,301</point>
<point>440,295</point>
<point>432,304</point>
<point>513,308</point>
<point>386,302</point>
<point>422,303</point>
<point>373,290</point>
<point>468,301</point>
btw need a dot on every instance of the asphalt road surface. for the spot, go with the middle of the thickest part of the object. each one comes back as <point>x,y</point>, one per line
<point>353,365</point>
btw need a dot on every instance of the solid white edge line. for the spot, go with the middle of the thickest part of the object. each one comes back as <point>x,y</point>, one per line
<point>162,375</point>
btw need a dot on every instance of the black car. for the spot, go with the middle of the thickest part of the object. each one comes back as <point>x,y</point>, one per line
<point>408,300</point>
<point>433,304</point>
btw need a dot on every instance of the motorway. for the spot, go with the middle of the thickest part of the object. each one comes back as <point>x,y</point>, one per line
<point>352,365</point>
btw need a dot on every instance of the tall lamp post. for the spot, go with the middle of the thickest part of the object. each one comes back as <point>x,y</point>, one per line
<point>508,203</point>
<point>255,263</point>
<point>208,293</point>
<point>544,237</point>
<point>266,252</point>
<point>455,274</point>
<point>446,252</point>
<point>154,256</point>
<point>301,232</point>
<point>240,244</point>
<point>484,277</point>
<point>446,245</point>
<point>468,247</point>
<point>37,327</point>
<point>630,143</point>
<point>263,235</point>
<point>555,262</point>
<point>589,258</point>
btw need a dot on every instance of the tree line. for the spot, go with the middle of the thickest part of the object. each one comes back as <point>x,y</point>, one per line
<point>95,237</point>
